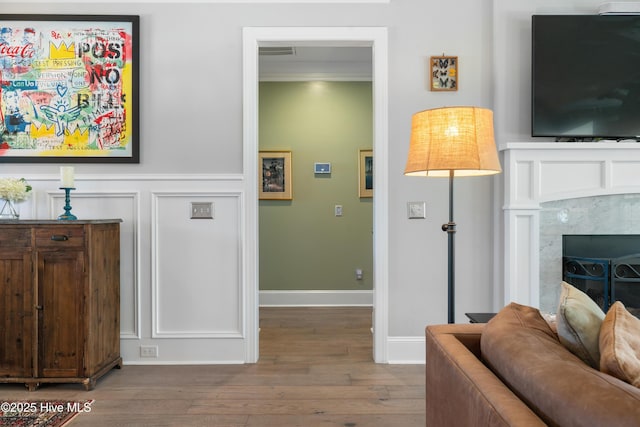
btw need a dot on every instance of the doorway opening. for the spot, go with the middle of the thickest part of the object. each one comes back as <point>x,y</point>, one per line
<point>375,39</point>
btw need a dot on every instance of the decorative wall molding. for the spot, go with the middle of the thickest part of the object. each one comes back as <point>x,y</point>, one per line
<point>131,198</point>
<point>124,205</point>
<point>80,177</point>
<point>203,266</point>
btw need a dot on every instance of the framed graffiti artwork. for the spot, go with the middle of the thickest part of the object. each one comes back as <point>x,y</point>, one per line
<point>69,88</point>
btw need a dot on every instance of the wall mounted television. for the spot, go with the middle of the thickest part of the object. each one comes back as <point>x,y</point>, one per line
<point>585,77</point>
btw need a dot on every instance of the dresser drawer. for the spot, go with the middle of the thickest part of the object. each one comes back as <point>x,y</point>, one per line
<point>15,237</point>
<point>63,236</point>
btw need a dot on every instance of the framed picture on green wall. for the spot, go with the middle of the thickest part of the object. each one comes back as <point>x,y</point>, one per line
<point>275,175</point>
<point>365,173</point>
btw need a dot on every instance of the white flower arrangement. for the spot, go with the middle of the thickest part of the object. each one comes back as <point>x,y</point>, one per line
<point>14,189</point>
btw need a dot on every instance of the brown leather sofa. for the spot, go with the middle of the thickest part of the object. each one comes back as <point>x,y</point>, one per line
<point>518,374</point>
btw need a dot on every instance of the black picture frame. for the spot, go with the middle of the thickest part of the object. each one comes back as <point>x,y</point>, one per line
<point>69,88</point>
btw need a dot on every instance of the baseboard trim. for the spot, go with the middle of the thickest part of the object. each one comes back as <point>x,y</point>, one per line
<point>316,298</point>
<point>406,350</point>
<point>402,351</point>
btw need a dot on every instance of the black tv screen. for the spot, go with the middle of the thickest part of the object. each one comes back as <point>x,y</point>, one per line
<point>586,76</point>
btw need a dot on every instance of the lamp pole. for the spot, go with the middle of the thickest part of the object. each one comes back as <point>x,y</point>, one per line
<point>450,229</point>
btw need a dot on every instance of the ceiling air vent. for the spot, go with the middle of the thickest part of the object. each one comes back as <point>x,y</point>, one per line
<point>277,51</point>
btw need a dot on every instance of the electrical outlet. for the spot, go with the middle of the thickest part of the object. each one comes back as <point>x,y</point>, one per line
<point>201,210</point>
<point>148,351</point>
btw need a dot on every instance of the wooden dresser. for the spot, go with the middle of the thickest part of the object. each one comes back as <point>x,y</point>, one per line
<point>59,301</point>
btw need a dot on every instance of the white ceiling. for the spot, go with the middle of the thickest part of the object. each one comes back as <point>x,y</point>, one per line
<point>317,63</point>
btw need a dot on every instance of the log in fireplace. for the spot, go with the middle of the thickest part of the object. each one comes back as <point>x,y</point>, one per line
<point>605,267</point>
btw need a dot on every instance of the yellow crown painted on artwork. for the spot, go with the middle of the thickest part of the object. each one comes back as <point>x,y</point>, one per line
<point>42,131</point>
<point>77,138</point>
<point>62,52</point>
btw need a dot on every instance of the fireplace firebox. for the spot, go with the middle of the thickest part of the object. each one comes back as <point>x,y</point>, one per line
<point>605,267</point>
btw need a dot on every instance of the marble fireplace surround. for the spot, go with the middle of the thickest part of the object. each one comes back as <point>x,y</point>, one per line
<point>538,179</point>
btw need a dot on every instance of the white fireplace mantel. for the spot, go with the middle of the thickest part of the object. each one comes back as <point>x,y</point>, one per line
<point>535,173</point>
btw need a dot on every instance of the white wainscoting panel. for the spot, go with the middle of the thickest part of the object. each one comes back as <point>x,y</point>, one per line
<point>123,205</point>
<point>196,266</point>
<point>182,284</point>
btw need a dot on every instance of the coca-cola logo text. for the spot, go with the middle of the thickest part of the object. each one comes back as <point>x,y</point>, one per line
<point>24,51</point>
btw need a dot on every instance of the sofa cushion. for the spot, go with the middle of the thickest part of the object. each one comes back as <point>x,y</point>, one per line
<point>620,344</point>
<point>520,348</point>
<point>579,319</point>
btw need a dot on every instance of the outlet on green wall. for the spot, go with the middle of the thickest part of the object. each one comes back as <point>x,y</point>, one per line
<point>303,245</point>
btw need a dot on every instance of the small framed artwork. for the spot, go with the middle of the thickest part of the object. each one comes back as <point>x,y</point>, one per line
<point>321,167</point>
<point>444,73</point>
<point>275,175</point>
<point>365,173</point>
<point>69,88</point>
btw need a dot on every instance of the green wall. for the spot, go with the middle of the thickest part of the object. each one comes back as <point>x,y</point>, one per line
<point>303,245</point>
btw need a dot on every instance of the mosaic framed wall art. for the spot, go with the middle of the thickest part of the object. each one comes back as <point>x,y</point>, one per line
<point>444,73</point>
<point>69,88</point>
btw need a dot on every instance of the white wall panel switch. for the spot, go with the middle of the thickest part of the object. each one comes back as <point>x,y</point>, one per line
<point>417,210</point>
<point>338,210</point>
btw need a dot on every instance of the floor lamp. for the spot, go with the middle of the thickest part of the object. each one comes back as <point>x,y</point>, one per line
<point>452,142</point>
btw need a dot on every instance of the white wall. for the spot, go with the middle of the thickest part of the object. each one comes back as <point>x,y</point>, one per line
<point>191,123</point>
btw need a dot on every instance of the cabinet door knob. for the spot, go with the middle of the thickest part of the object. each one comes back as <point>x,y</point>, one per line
<point>59,238</point>
<point>39,307</point>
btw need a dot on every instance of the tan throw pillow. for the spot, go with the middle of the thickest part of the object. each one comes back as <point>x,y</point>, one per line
<point>579,319</point>
<point>620,345</point>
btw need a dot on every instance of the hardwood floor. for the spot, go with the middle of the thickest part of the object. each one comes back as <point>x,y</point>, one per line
<point>315,369</point>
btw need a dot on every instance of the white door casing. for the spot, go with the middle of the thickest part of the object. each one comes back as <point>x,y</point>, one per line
<point>376,38</point>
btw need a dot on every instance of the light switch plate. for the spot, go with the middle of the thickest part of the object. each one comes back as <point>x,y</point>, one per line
<point>416,210</point>
<point>201,210</point>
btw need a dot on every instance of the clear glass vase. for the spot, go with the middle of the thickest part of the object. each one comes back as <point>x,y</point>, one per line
<point>8,209</point>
